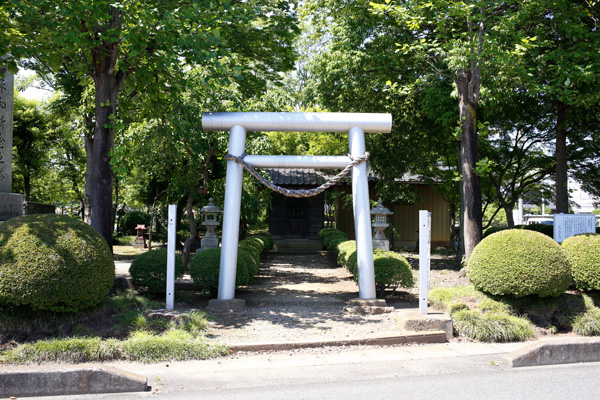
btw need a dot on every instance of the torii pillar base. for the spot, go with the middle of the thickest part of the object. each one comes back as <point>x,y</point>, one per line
<point>368,306</point>
<point>232,306</point>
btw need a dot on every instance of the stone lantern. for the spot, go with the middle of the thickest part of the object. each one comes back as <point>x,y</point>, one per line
<point>210,240</point>
<point>140,240</point>
<point>380,224</point>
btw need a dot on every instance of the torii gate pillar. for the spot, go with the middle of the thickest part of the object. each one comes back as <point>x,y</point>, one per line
<point>238,123</point>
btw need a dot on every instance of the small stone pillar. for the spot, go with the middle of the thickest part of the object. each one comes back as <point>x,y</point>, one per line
<point>210,240</point>
<point>380,224</point>
<point>140,240</point>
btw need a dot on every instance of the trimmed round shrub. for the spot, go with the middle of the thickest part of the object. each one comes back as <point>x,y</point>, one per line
<point>249,258</point>
<point>132,219</point>
<point>583,252</point>
<point>334,243</point>
<point>205,267</point>
<point>336,237</point>
<point>325,231</point>
<point>53,262</point>
<point>345,249</point>
<point>518,262</point>
<point>149,271</point>
<point>267,239</point>
<point>391,270</point>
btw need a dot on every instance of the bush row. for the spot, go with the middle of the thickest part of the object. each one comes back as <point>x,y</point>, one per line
<point>205,267</point>
<point>518,262</point>
<point>547,230</point>
<point>391,269</point>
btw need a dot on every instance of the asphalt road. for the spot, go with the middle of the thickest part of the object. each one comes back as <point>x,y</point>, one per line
<point>345,376</point>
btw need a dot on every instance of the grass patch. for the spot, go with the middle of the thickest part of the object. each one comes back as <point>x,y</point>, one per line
<point>119,329</point>
<point>492,327</point>
<point>501,318</point>
<point>174,345</point>
<point>588,324</point>
<point>72,350</point>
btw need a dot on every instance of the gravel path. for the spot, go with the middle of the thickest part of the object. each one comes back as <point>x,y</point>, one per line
<point>299,297</point>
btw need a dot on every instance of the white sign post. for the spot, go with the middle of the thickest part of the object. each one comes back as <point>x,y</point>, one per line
<point>567,225</point>
<point>424,257</point>
<point>171,256</point>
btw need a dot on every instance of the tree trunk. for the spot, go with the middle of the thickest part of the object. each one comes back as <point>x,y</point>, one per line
<point>26,186</point>
<point>107,88</point>
<point>185,256</point>
<point>116,203</point>
<point>562,190</point>
<point>89,168</point>
<point>460,248</point>
<point>469,154</point>
<point>508,210</point>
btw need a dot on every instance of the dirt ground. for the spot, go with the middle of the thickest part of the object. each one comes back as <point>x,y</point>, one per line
<point>301,296</point>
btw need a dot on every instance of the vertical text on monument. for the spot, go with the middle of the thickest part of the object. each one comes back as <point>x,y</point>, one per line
<point>6,127</point>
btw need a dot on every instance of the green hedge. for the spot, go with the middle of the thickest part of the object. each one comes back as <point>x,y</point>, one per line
<point>583,252</point>
<point>149,271</point>
<point>53,262</point>
<point>546,229</point>
<point>391,269</point>
<point>518,263</point>
<point>205,266</point>
<point>345,249</point>
<point>130,220</point>
<point>204,271</point>
<point>331,238</point>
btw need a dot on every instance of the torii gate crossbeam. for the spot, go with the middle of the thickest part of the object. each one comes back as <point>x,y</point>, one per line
<point>238,123</point>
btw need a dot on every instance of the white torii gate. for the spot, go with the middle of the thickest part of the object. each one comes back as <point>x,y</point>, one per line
<point>238,123</point>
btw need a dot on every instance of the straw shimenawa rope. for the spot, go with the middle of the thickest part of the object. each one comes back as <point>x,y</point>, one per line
<point>298,193</point>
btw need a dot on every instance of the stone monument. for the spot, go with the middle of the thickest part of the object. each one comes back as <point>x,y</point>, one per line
<point>210,240</point>
<point>140,240</point>
<point>11,204</point>
<point>380,214</point>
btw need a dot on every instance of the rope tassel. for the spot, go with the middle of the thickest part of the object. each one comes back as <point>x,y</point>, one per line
<point>298,193</point>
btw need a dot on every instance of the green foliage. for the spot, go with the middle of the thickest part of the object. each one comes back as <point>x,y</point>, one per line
<point>583,252</point>
<point>345,249</point>
<point>31,142</point>
<point>123,240</point>
<point>519,263</point>
<point>71,350</point>
<point>493,229</point>
<point>546,229</point>
<point>249,258</point>
<point>204,270</point>
<point>445,297</point>
<point>53,262</point>
<point>149,271</point>
<point>326,231</point>
<point>391,271</point>
<point>492,327</point>
<point>130,220</point>
<point>266,238</point>
<point>173,345</point>
<point>588,324</point>
<point>331,237</point>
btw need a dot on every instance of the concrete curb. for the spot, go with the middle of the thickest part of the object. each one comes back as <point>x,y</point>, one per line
<point>555,351</point>
<point>409,337</point>
<point>50,381</point>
